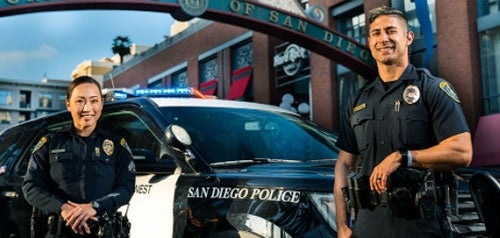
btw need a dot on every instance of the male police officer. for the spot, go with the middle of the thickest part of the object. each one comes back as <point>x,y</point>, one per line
<point>81,173</point>
<point>404,118</point>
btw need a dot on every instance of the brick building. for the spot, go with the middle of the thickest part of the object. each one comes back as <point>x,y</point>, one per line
<point>236,63</point>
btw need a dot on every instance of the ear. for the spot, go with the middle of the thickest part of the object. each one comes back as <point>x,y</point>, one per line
<point>67,105</point>
<point>409,38</point>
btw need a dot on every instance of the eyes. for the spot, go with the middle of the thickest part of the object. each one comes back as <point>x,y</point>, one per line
<point>83,101</point>
<point>389,31</point>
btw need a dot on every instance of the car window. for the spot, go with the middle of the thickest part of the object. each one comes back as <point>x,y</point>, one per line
<point>142,138</point>
<point>15,146</point>
<point>222,134</point>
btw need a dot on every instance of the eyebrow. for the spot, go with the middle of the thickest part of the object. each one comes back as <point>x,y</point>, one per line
<point>385,28</point>
<point>89,97</point>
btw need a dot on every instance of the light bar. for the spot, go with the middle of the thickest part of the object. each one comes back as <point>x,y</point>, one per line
<point>186,92</point>
<point>168,92</point>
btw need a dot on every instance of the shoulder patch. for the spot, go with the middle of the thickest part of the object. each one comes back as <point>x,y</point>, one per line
<point>445,86</point>
<point>39,145</point>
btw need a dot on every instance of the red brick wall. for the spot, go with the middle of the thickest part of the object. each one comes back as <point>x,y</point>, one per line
<point>458,53</point>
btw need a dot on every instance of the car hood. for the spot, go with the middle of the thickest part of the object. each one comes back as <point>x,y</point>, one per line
<point>318,176</point>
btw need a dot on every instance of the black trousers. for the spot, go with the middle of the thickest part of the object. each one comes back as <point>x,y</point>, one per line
<point>381,223</point>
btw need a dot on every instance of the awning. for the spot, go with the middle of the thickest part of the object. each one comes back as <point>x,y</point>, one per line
<point>239,82</point>
<point>208,87</point>
<point>485,145</point>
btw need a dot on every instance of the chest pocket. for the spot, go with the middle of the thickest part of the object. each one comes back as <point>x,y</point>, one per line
<point>64,167</point>
<point>104,165</point>
<point>362,123</point>
<point>415,127</point>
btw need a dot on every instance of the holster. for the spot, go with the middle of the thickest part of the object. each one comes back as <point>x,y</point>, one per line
<point>411,193</point>
<point>117,226</point>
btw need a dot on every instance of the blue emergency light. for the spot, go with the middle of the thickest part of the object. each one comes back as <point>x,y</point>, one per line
<point>166,92</point>
<point>121,94</point>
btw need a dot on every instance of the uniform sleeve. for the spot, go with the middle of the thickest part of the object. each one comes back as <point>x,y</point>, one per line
<point>446,111</point>
<point>37,182</point>
<point>347,139</point>
<point>124,186</point>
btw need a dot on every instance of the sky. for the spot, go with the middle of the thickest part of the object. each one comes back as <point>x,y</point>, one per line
<point>51,44</point>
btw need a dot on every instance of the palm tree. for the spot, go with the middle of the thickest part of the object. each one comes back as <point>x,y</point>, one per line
<point>121,46</point>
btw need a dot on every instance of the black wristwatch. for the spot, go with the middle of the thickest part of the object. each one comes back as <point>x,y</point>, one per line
<point>406,158</point>
<point>97,207</point>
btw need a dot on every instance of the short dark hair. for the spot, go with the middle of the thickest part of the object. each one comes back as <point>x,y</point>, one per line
<point>81,80</point>
<point>384,11</point>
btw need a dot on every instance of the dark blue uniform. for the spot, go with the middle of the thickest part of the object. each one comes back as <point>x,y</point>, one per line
<point>66,167</point>
<point>382,118</point>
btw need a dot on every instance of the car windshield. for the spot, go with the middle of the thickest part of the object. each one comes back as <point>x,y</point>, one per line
<point>225,135</point>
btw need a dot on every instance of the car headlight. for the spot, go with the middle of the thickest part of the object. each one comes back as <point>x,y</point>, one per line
<point>325,204</point>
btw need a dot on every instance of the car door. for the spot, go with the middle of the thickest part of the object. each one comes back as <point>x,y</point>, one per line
<point>16,145</point>
<point>150,210</point>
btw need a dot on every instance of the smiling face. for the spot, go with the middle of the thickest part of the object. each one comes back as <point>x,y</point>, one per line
<point>389,40</point>
<point>85,105</point>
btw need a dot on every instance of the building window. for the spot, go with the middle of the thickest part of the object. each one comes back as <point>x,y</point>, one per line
<point>155,84</point>
<point>25,99</point>
<point>208,69</point>
<point>353,25</point>
<point>45,100</point>
<point>5,118</point>
<point>490,68</point>
<point>208,76</point>
<point>488,12</point>
<point>487,7</point>
<point>5,97</point>
<point>62,101</point>
<point>24,116</point>
<point>409,8</point>
<point>179,79</point>
<point>350,20</point>
<point>242,55</point>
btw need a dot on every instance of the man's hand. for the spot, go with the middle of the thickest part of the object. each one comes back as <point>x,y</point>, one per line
<point>76,216</point>
<point>344,231</point>
<point>381,172</point>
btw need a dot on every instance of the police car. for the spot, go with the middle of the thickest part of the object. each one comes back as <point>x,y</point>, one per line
<point>211,168</point>
<point>205,167</point>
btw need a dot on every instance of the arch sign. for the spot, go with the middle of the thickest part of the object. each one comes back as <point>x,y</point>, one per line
<point>252,15</point>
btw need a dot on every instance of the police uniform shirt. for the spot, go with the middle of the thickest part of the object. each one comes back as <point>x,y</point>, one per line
<point>66,167</point>
<point>415,112</point>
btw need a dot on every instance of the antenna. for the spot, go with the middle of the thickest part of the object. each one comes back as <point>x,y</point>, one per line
<point>112,81</point>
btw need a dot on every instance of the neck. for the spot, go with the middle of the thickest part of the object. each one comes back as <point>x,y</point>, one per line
<point>389,73</point>
<point>85,131</point>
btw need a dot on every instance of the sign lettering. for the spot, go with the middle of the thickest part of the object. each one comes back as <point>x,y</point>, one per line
<point>264,194</point>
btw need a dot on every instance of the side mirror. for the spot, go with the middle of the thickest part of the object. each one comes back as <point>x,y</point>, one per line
<point>177,137</point>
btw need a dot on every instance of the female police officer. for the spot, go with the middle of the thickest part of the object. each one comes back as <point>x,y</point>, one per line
<point>81,172</point>
<point>404,118</point>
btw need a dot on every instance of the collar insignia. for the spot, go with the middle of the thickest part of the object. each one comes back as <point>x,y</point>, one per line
<point>359,107</point>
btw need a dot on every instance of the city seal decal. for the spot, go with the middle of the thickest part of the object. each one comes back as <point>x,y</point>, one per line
<point>194,8</point>
<point>108,147</point>
<point>445,86</point>
<point>411,94</point>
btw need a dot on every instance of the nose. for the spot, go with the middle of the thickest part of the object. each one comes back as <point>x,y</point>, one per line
<point>86,106</point>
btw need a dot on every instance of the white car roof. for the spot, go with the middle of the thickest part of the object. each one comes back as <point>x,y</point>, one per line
<point>197,102</point>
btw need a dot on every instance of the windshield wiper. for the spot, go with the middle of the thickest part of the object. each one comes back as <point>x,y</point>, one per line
<point>253,161</point>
